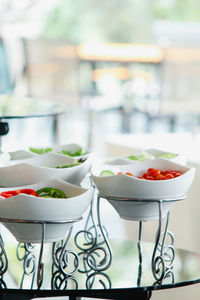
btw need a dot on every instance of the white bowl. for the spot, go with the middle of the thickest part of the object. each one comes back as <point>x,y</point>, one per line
<point>26,207</point>
<point>140,210</point>
<point>155,153</point>
<point>72,148</point>
<point>133,187</point>
<point>42,167</point>
<point>4,158</point>
<point>22,154</point>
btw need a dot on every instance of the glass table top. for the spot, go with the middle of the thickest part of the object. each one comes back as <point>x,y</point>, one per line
<point>128,272</point>
<point>25,107</point>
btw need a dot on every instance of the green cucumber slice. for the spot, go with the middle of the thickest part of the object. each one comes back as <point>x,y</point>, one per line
<point>106,173</point>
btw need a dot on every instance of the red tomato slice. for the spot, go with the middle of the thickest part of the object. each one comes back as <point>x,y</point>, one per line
<point>128,173</point>
<point>160,177</point>
<point>169,176</point>
<point>154,172</point>
<point>150,177</point>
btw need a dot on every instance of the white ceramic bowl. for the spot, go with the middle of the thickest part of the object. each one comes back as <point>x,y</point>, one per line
<point>72,148</point>
<point>4,158</point>
<point>42,167</point>
<point>26,207</point>
<point>139,210</point>
<point>133,187</point>
<point>22,154</point>
<point>155,153</point>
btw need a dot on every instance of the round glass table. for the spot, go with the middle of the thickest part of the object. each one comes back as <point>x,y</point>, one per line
<point>16,107</point>
<point>127,275</point>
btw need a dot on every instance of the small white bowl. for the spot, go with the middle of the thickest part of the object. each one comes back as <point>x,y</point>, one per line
<point>42,167</point>
<point>26,207</point>
<point>73,148</point>
<point>133,187</point>
<point>4,158</point>
<point>155,153</point>
<point>22,154</point>
<point>140,210</point>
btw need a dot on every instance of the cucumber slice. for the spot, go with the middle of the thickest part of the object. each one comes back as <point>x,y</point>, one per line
<point>106,173</point>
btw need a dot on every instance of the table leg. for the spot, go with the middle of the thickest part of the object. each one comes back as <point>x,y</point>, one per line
<point>4,128</point>
<point>55,130</point>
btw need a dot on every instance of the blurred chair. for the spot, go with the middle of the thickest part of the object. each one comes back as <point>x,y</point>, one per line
<point>180,89</point>
<point>49,74</point>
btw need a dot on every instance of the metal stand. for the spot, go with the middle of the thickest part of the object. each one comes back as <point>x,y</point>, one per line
<point>93,258</point>
<point>61,276</point>
<point>94,250</point>
<point>3,264</point>
<point>28,258</point>
<point>163,255</point>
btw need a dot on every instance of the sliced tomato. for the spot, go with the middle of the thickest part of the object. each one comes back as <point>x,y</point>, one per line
<point>169,176</point>
<point>160,177</point>
<point>128,173</point>
<point>150,177</point>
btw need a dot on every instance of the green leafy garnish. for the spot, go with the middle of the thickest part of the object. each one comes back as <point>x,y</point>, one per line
<point>40,150</point>
<point>141,156</point>
<point>67,166</point>
<point>79,152</point>
<point>168,155</point>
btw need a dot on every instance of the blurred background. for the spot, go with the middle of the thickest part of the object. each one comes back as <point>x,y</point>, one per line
<point>128,72</point>
<point>119,66</point>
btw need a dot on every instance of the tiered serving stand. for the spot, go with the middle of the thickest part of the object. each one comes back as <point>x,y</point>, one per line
<point>91,258</point>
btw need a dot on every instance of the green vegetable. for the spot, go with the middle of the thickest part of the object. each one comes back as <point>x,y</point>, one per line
<point>106,173</point>
<point>49,192</point>
<point>168,155</point>
<point>79,152</point>
<point>141,156</point>
<point>40,150</point>
<point>67,166</point>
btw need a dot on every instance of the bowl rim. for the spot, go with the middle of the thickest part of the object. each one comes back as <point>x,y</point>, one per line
<point>172,164</point>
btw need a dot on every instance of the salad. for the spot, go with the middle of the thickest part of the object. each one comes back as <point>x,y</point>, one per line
<point>148,156</point>
<point>81,151</point>
<point>150,174</point>
<point>68,165</point>
<point>40,150</point>
<point>47,192</point>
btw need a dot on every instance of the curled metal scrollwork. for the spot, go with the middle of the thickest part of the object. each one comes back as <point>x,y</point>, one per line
<point>95,253</point>
<point>163,255</point>
<point>61,282</point>
<point>65,264</point>
<point>3,263</point>
<point>96,278</point>
<point>93,243</point>
<point>25,254</point>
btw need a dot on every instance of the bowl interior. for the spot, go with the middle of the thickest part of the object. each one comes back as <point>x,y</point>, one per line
<point>50,160</point>
<point>73,150</point>
<point>140,168</point>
